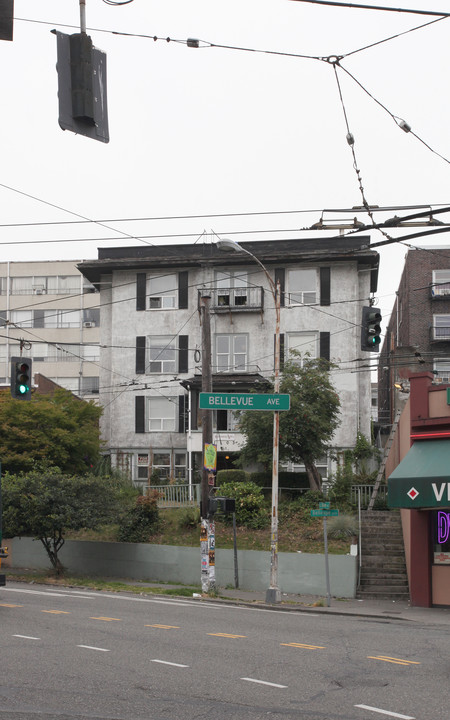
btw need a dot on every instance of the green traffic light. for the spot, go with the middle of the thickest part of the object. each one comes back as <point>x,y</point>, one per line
<point>23,389</point>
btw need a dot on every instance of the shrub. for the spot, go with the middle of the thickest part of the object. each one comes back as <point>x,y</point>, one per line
<point>250,506</point>
<point>188,517</point>
<point>342,526</point>
<point>226,476</point>
<point>141,522</point>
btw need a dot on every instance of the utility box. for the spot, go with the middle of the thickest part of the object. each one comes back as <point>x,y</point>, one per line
<point>222,504</point>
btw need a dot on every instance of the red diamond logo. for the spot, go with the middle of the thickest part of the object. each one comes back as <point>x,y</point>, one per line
<point>413,493</point>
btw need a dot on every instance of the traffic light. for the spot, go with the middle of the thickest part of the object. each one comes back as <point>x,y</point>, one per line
<point>21,378</point>
<point>6,19</point>
<point>82,98</point>
<point>370,329</point>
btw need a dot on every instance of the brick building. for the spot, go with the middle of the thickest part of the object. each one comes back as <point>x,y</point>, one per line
<point>418,334</point>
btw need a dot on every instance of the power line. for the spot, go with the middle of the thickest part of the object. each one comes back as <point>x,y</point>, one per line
<point>359,6</point>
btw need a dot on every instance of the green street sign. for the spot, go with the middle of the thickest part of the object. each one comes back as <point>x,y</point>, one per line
<point>324,513</point>
<point>243,401</point>
<point>324,505</point>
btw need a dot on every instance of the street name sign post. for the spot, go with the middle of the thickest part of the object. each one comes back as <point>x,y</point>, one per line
<point>325,511</point>
<point>243,401</point>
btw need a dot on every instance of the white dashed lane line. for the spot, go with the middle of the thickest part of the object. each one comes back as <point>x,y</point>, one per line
<point>92,647</point>
<point>385,712</point>
<point>264,682</point>
<point>26,637</point>
<point>165,662</point>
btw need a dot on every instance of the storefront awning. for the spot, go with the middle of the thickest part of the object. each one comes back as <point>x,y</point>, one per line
<point>422,480</point>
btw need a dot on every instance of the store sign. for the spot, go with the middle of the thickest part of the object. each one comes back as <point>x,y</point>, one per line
<point>418,493</point>
<point>443,527</point>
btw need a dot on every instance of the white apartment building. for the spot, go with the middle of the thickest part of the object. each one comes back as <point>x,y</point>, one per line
<point>151,339</point>
<point>53,313</point>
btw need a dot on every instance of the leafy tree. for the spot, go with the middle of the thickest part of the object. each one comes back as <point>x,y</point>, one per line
<point>60,430</point>
<point>306,429</point>
<point>46,504</point>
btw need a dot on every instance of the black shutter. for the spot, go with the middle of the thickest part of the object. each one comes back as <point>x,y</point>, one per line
<point>183,289</point>
<point>139,408</point>
<point>141,290</point>
<point>325,345</point>
<point>281,349</point>
<point>140,355</point>
<point>280,277</point>
<point>325,286</point>
<point>183,353</point>
<point>182,414</point>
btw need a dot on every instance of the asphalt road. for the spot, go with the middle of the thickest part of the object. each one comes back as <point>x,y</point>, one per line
<point>70,654</point>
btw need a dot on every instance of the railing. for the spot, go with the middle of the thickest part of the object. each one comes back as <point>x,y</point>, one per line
<point>174,495</point>
<point>237,299</point>
<point>364,492</point>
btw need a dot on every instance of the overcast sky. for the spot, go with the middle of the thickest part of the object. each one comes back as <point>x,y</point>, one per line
<point>224,131</point>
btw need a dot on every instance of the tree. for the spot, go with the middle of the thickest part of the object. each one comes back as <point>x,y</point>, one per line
<point>60,430</point>
<point>46,504</point>
<point>306,429</point>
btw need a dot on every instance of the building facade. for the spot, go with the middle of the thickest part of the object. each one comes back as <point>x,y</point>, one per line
<point>151,340</point>
<point>418,334</point>
<point>51,313</point>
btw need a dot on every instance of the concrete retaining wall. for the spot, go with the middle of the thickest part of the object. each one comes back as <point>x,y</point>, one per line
<point>300,573</point>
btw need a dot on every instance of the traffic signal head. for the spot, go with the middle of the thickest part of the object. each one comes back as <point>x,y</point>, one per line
<point>370,329</point>
<point>21,378</point>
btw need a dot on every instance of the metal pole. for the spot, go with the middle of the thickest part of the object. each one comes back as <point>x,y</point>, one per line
<point>273,594</point>
<point>327,569</point>
<point>207,539</point>
<point>236,569</point>
<point>83,16</point>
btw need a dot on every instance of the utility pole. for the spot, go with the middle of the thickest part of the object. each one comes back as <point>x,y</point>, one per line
<point>207,536</point>
<point>83,16</point>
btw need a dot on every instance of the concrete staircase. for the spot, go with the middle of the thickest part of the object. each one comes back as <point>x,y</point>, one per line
<point>383,567</point>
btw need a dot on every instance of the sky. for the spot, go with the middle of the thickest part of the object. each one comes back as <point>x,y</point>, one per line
<point>247,139</point>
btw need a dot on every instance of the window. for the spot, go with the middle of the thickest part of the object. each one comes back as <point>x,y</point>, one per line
<point>226,420</point>
<point>3,283</point>
<point>89,385</point>
<point>59,318</point>
<point>68,383</point>
<point>142,466</point>
<point>63,284</point>
<point>162,354</point>
<point>231,287</point>
<point>163,292</point>
<point>305,343</point>
<point>43,285</point>
<point>442,370</point>
<point>440,524</point>
<point>91,317</point>
<point>302,286</point>
<point>231,353</point>
<point>162,412</point>
<point>24,318</point>
<point>179,469</point>
<point>161,463</point>
<point>90,353</point>
<point>441,327</point>
<point>441,283</point>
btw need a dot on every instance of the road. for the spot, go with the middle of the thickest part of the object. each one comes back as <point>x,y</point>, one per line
<point>73,654</point>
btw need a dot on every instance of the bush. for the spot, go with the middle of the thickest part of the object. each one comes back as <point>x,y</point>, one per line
<point>250,506</point>
<point>343,526</point>
<point>141,522</point>
<point>188,517</point>
<point>226,476</point>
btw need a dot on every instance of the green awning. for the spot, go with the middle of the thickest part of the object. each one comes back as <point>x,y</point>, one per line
<point>422,479</point>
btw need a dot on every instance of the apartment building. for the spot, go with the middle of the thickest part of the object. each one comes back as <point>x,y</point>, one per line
<point>51,313</point>
<point>418,334</point>
<point>151,339</point>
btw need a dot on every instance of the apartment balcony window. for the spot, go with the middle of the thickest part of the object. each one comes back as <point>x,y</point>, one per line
<point>442,370</point>
<point>440,287</point>
<point>89,386</point>
<point>231,352</point>
<point>302,286</point>
<point>43,285</point>
<point>440,332</point>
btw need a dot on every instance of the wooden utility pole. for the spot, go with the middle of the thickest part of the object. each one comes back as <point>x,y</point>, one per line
<point>207,537</point>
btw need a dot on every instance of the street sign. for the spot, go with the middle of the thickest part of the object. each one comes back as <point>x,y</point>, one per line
<point>324,505</point>
<point>243,401</point>
<point>324,513</point>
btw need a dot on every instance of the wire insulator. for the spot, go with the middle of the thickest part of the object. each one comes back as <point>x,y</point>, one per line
<point>350,139</point>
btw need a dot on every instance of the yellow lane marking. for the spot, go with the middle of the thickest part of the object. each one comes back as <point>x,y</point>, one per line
<point>226,635</point>
<point>164,627</point>
<point>56,612</point>
<point>305,647</point>
<point>9,605</point>
<point>106,619</point>
<point>395,661</point>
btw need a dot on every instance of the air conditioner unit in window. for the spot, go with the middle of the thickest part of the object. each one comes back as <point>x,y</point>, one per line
<point>89,324</point>
<point>38,290</point>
